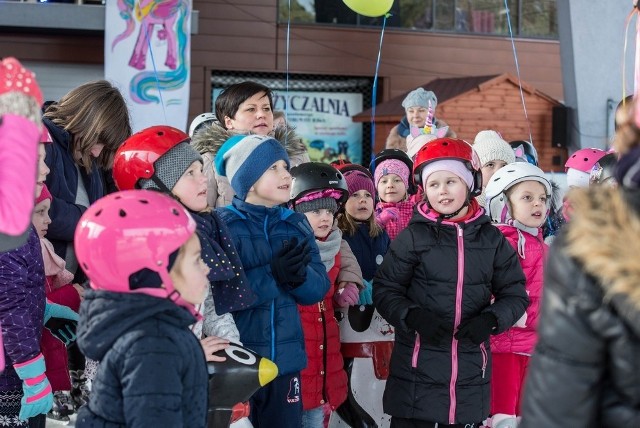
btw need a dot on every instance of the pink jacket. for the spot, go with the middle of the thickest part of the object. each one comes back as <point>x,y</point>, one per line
<point>401,213</point>
<point>532,252</point>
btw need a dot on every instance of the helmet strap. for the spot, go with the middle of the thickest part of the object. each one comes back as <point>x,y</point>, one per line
<point>163,188</point>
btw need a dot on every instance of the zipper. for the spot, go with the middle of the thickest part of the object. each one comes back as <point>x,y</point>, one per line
<point>458,316</point>
<point>416,351</point>
<point>485,359</point>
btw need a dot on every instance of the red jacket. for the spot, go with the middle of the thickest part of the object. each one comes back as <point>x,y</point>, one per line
<point>324,379</point>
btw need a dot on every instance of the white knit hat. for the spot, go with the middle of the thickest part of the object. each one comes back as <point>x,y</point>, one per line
<point>489,145</point>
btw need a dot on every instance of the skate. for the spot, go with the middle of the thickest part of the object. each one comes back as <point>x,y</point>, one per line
<point>79,389</point>
<point>62,408</point>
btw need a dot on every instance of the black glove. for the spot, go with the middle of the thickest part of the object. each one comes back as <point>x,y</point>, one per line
<point>62,329</point>
<point>289,266</point>
<point>477,329</point>
<point>428,325</point>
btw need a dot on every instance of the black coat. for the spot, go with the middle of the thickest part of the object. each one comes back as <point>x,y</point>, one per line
<point>449,382</point>
<point>152,370</point>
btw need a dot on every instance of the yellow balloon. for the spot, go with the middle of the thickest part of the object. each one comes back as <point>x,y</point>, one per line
<point>372,8</point>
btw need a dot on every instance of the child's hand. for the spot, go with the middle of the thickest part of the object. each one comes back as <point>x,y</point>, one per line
<point>80,291</point>
<point>347,295</point>
<point>386,215</point>
<point>213,344</point>
<point>366,294</point>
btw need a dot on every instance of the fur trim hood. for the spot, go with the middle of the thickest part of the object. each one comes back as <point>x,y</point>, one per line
<point>210,138</point>
<point>604,237</point>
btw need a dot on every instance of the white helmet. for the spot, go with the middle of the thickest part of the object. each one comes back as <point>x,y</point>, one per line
<point>201,119</point>
<point>505,178</point>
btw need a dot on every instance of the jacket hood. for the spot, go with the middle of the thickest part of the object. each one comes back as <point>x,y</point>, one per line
<point>604,237</point>
<point>106,316</point>
<point>210,138</point>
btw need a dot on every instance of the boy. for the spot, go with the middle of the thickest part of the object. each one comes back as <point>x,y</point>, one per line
<point>282,262</point>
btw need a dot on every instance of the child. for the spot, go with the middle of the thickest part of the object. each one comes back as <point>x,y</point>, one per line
<point>160,158</point>
<point>282,262</point>
<point>391,171</point>
<point>141,254</point>
<point>243,108</point>
<point>494,153</point>
<point>578,168</point>
<point>58,290</point>
<point>435,287</point>
<point>518,198</point>
<point>319,191</point>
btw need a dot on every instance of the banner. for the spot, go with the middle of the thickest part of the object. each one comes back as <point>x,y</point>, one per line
<point>147,55</point>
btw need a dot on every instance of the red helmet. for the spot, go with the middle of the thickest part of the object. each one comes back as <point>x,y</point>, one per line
<point>134,159</point>
<point>449,148</point>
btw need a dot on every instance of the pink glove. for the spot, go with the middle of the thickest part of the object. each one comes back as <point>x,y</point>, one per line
<point>347,296</point>
<point>386,215</point>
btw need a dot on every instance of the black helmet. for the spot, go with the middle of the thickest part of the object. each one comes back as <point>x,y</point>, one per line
<point>312,176</point>
<point>398,154</point>
<point>524,151</point>
<point>602,171</point>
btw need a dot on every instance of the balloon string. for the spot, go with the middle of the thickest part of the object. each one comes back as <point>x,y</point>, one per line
<point>515,57</point>
<point>286,85</point>
<point>627,24</point>
<point>375,90</point>
<point>637,71</point>
<point>155,71</point>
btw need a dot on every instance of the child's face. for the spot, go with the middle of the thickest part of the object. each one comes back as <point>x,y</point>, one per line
<point>490,168</point>
<point>417,116</point>
<point>321,221</point>
<point>391,188</point>
<point>446,192</point>
<point>189,273</point>
<point>273,188</point>
<point>40,217</point>
<point>43,170</point>
<point>254,115</point>
<point>191,188</point>
<point>528,201</point>
<point>360,205</point>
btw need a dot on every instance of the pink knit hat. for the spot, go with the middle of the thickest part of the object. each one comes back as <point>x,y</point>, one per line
<point>454,166</point>
<point>358,180</point>
<point>392,166</point>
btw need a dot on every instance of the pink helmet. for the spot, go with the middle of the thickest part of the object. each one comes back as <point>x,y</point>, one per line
<point>127,231</point>
<point>584,159</point>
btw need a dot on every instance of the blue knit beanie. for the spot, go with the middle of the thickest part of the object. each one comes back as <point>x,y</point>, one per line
<point>244,158</point>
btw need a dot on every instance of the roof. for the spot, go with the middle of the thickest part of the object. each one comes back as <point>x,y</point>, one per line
<point>445,89</point>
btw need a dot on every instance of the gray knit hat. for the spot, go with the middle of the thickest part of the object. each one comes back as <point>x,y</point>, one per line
<point>420,97</point>
<point>317,204</point>
<point>170,166</point>
<point>489,145</point>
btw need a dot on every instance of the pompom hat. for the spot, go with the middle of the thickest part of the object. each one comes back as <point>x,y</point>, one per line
<point>490,146</point>
<point>358,180</point>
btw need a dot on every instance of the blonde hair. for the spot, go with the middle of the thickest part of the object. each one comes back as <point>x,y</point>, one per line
<point>93,113</point>
<point>627,134</point>
<point>349,225</point>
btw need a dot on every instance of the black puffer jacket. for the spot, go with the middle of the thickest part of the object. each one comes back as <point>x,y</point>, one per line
<point>446,383</point>
<point>585,371</point>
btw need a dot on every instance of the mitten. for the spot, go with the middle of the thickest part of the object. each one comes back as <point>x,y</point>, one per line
<point>428,325</point>
<point>366,294</point>
<point>61,321</point>
<point>289,266</point>
<point>37,398</point>
<point>477,329</point>
<point>386,215</point>
<point>347,296</point>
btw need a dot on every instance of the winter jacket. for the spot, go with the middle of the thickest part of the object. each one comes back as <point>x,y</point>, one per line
<point>584,371</point>
<point>396,224</point>
<point>271,325</point>
<point>63,185</point>
<point>532,253</point>
<point>368,251</point>
<point>452,270</point>
<point>208,140</point>
<point>22,302</point>
<point>397,138</point>
<point>324,379</point>
<point>152,370</point>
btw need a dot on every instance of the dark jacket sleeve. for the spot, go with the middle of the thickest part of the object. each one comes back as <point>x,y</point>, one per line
<point>315,287</point>
<point>567,367</point>
<point>393,278</point>
<point>507,286</point>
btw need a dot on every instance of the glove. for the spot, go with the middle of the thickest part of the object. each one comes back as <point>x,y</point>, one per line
<point>428,325</point>
<point>37,398</point>
<point>347,296</point>
<point>289,267</point>
<point>366,294</point>
<point>477,329</point>
<point>386,215</point>
<point>61,321</point>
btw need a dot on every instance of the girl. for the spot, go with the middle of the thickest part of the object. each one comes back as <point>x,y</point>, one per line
<point>146,275</point>
<point>518,198</point>
<point>494,153</point>
<point>391,171</point>
<point>319,191</point>
<point>435,287</point>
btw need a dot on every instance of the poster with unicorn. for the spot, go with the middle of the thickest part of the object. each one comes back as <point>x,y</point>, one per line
<point>147,54</point>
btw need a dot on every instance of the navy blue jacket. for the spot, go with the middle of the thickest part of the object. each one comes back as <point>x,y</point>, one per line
<point>368,251</point>
<point>271,325</point>
<point>152,370</point>
<point>62,182</point>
